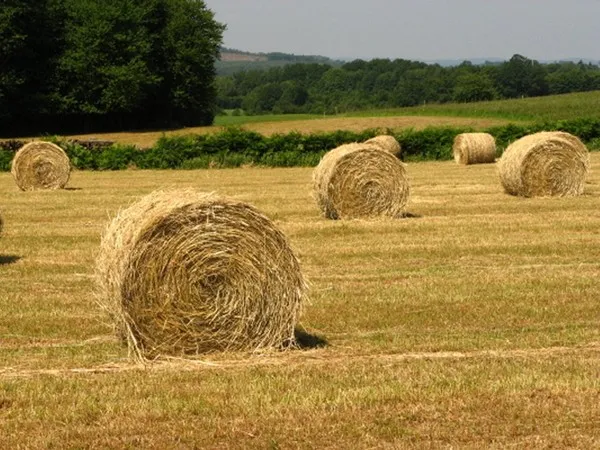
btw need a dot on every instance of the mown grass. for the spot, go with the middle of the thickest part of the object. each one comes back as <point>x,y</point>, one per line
<point>551,108</point>
<point>229,120</point>
<point>473,324</point>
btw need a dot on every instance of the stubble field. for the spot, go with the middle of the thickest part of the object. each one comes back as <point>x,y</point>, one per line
<point>474,323</point>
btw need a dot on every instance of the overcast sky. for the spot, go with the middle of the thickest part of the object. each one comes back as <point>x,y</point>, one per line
<point>413,29</point>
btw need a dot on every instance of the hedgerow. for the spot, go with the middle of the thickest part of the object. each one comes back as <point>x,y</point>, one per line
<point>235,147</point>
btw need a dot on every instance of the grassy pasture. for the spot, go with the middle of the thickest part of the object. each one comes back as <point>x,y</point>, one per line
<point>551,108</point>
<point>475,323</point>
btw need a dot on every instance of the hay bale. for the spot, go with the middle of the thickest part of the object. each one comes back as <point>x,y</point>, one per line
<point>386,143</point>
<point>41,165</point>
<point>360,180</point>
<point>184,273</point>
<point>544,164</point>
<point>474,148</point>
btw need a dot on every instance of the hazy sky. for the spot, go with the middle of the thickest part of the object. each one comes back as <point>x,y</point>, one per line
<point>413,29</point>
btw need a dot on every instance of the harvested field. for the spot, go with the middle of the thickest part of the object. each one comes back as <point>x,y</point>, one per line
<point>472,324</point>
<point>147,139</point>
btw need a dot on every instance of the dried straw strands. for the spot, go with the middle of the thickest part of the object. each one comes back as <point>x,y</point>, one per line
<point>544,164</point>
<point>184,273</point>
<point>41,165</point>
<point>474,148</point>
<point>360,180</point>
<point>387,143</point>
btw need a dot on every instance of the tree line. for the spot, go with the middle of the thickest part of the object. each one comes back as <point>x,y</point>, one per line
<point>83,65</point>
<point>384,83</point>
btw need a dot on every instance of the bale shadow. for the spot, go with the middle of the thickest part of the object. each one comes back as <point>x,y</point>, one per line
<point>306,340</point>
<point>8,259</point>
<point>409,215</point>
<point>72,189</point>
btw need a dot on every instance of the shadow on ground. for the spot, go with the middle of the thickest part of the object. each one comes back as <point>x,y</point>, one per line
<point>8,259</point>
<point>306,340</point>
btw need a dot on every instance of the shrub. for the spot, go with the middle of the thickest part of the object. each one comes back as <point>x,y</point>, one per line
<point>506,134</point>
<point>81,157</point>
<point>168,153</point>
<point>432,143</point>
<point>6,157</point>
<point>235,146</point>
<point>117,157</point>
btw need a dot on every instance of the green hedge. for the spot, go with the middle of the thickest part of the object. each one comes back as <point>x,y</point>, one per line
<point>235,147</point>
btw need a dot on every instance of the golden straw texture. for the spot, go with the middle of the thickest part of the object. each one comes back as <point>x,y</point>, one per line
<point>474,148</point>
<point>41,165</point>
<point>544,164</point>
<point>387,143</point>
<point>360,180</point>
<point>183,273</point>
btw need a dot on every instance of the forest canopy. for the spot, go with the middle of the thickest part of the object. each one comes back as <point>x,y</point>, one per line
<point>384,83</point>
<point>106,64</point>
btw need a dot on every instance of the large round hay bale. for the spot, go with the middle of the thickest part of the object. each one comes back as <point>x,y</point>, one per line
<point>184,272</point>
<point>41,165</point>
<point>387,143</point>
<point>360,180</point>
<point>544,164</point>
<point>474,148</point>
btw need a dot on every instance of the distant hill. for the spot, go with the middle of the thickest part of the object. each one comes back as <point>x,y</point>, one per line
<point>457,62</point>
<point>233,60</point>
<point>487,61</point>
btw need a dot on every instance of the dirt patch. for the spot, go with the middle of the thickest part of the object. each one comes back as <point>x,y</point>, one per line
<point>232,56</point>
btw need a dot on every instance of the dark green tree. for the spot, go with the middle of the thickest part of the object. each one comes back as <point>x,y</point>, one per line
<point>30,40</point>
<point>107,63</point>
<point>140,62</point>
<point>411,89</point>
<point>473,87</point>
<point>521,77</point>
<point>13,40</point>
<point>104,69</point>
<point>262,99</point>
<point>293,97</point>
<point>190,41</point>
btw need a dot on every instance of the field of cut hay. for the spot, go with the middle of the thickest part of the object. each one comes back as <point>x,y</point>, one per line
<point>472,323</point>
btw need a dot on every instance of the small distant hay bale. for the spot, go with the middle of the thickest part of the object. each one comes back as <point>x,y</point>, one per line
<point>474,148</point>
<point>183,273</point>
<point>360,180</point>
<point>387,143</point>
<point>41,165</point>
<point>545,164</point>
